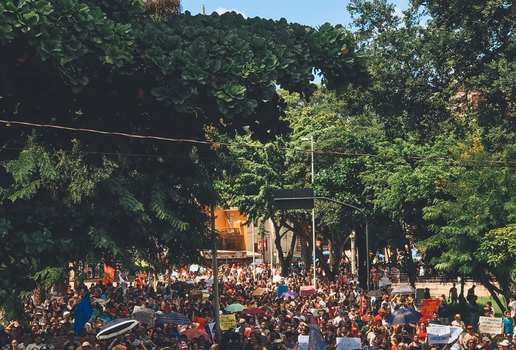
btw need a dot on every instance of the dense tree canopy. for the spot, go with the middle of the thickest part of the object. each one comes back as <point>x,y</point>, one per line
<point>112,66</point>
<point>420,133</point>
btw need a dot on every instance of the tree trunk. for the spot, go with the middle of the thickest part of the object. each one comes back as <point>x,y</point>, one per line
<point>411,266</point>
<point>324,264</point>
<point>39,294</point>
<point>491,288</point>
<point>306,254</point>
<point>362,255</point>
<point>284,260</point>
<point>462,299</point>
<point>395,257</point>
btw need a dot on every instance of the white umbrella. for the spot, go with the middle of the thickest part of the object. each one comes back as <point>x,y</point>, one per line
<point>116,327</point>
<point>384,282</point>
<point>403,290</point>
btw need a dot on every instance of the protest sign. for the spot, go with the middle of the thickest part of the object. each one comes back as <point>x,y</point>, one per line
<point>144,315</point>
<point>195,294</point>
<point>348,343</point>
<point>455,333</point>
<point>282,288</point>
<point>315,312</point>
<point>306,291</point>
<point>303,342</point>
<point>429,307</point>
<point>491,325</point>
<point>227,322</point>
<point>438,334</point>
<point>258,292</point>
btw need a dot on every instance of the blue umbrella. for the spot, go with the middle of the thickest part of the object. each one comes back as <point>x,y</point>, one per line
<point>116,327</point>
<point>172,318</point>
<point>403,316</point>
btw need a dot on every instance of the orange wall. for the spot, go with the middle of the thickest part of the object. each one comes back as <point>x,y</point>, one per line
<point>223,218</point>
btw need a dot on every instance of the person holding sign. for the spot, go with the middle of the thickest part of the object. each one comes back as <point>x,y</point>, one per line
<point>470,335</point>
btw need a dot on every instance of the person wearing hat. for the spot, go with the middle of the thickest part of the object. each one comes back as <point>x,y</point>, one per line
<point>504,344</point>
<point>457,322</point>
<point>470,335</point>
<point>86,346</point>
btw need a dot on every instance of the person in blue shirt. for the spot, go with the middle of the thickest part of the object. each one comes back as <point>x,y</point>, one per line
<point>508,324</point>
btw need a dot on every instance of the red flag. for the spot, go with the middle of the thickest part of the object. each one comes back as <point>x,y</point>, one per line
<point>430,306</point>
<point>109,274</point>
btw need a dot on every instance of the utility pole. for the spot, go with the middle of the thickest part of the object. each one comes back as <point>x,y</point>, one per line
<point>254,260</point>
<point>215,275</point>
<point>353,252</point>
<point>272,236</point>
<point>313,212</point>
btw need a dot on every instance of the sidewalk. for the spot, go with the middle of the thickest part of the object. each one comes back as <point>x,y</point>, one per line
<point>439,288</point>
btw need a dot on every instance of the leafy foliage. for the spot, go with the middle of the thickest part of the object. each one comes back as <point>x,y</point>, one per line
<point>113,66</point>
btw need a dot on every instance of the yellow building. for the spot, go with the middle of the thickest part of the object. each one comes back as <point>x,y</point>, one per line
<point>235,237</point>
<point>231,227</point>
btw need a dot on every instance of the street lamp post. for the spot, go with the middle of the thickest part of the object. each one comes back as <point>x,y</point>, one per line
<point>311,139</point>
<point>254,260</point>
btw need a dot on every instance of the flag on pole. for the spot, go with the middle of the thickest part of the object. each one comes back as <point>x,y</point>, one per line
<point>82,313</point>
<point>109,274</point>
<point>315,340</point>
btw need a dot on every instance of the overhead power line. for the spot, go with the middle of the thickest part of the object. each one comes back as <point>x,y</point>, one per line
<point>507,163</point>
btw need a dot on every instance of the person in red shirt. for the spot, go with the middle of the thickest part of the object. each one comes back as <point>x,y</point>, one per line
<point>354,329</point>
<point>422,332</point>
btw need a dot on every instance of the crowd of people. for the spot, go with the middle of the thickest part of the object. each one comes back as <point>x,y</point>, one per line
<point>268,320</point>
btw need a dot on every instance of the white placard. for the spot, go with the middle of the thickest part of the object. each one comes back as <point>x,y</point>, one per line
<point>438,334</point>
<point>491,325</point>
<point>455,333</point>
<point>303,341</point>
<point>349,343</point>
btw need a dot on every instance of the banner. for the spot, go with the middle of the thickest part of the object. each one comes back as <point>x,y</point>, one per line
<point>349,343</point>
<point>227,322</point>
<point>491,325</point>
<point>429,307</point>
<point>438,334</point>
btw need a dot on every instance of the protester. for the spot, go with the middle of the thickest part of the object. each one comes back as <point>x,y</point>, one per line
<point>269,321</point>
